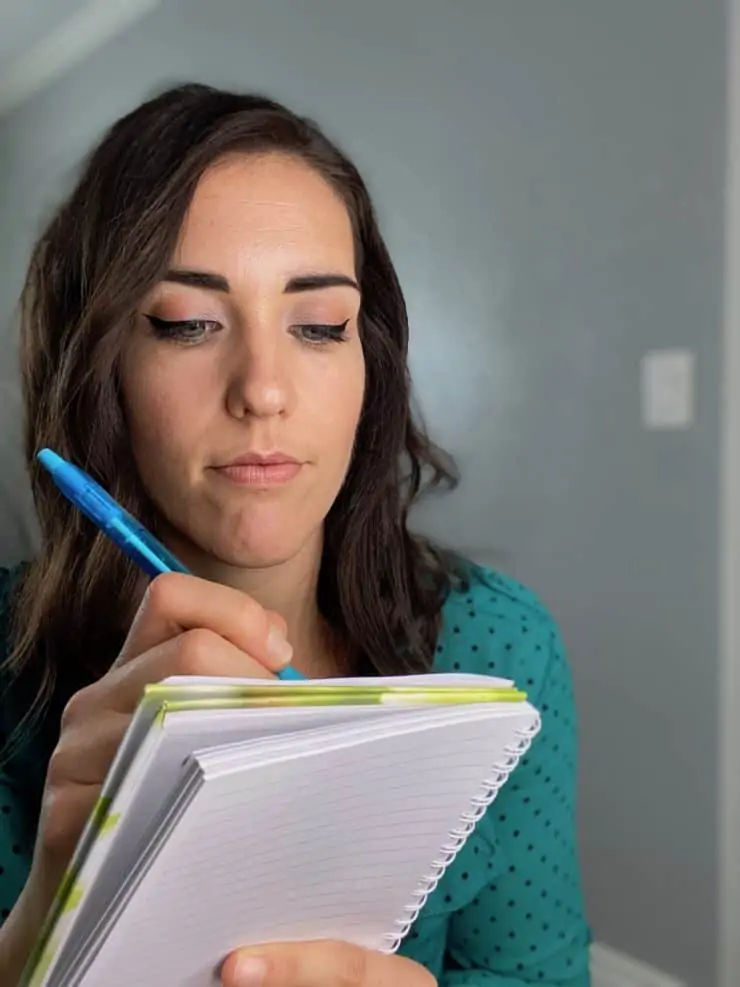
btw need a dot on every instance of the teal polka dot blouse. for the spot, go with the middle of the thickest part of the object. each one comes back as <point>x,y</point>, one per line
<point>509,911</point>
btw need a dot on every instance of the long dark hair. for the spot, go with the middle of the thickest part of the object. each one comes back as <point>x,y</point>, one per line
<point>380,588</point>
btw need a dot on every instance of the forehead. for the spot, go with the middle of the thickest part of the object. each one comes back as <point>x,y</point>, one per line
<point>250,207</point>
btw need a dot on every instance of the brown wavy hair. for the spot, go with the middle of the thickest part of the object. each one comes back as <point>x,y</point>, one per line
<point>380,588</point>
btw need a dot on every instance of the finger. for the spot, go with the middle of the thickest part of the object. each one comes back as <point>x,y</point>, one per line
<point>87,744</point>
<point>320,964</point>
<point>277,620</point>
<point>64,812</point>
<point>196,652</point>
<point>175,602</point>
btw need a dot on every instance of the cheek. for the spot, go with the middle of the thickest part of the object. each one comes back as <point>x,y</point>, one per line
<point>339,405</point>
<point>159,415</point>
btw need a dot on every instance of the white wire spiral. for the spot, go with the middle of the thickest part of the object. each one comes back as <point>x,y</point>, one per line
<point>459,835</point>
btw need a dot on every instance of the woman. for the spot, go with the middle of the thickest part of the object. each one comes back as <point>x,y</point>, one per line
<point>212,326</point>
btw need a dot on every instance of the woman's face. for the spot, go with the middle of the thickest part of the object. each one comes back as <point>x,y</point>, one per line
<point>244,376</point>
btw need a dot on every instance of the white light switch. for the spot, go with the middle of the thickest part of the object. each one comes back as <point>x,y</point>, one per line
<point>668,389</point>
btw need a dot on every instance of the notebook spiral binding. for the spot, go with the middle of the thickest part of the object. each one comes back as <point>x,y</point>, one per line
<point>459,835</point>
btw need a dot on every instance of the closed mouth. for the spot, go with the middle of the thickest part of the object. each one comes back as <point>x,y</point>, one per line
<point>261,472</point>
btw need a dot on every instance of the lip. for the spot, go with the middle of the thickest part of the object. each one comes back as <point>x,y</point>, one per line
<point>260,459</point>
<point>255,469</point>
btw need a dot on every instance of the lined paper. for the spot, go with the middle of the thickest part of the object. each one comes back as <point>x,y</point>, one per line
<point>328,837</point>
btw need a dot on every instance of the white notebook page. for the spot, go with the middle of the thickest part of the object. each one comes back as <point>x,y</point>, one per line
<point>311,846</point>
<point>146,792</point>
<point>423,680</point>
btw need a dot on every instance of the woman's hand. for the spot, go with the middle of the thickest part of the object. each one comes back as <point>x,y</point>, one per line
<point>321,964</point>
<point>184,626</point>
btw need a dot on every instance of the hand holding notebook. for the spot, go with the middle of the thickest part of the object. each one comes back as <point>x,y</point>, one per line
<point>321,964</point>
<point>252,811</point>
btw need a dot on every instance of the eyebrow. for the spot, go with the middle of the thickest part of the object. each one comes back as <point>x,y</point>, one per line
<point>216,282</point>
<point>314,282</point>
<point>198,279</point>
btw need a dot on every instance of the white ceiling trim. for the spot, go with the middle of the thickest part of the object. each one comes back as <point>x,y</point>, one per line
<point>84,31</point>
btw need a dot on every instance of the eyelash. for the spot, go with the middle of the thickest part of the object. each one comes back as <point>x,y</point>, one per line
<point>181,331</point>
<point>326,333</point>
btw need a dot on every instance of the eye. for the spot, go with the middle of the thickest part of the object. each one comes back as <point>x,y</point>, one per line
<point>315,333</point>
<point>183,331</point>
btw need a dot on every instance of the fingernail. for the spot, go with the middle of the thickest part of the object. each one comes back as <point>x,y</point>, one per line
<point>249,971</point>
<point>278,649</point>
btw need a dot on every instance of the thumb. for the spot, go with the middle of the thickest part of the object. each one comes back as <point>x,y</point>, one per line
<point>320,963</point>
<point>277,621</point>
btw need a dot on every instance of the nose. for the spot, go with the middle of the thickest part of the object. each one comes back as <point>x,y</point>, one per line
<point>259,383</point>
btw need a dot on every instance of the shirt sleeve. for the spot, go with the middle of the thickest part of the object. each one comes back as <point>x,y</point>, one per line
<point>15,856</point>
<point>528,926</point>
<point>15,845</point>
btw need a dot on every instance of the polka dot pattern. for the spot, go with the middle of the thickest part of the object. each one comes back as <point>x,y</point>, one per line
<point>510,909</point>
<point>509,912</point>
<point>15,855</point>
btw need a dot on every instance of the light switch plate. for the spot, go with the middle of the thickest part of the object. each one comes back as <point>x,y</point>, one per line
<point>668,389</point>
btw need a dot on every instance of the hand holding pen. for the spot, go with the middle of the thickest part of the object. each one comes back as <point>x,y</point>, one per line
<point>133,538</point>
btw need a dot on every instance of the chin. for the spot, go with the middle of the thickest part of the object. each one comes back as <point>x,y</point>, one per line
<point>253,540</point>
<point>266,547</point>
<point>253,557</point>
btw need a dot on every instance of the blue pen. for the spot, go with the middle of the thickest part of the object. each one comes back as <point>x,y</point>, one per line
<point>115,522</point>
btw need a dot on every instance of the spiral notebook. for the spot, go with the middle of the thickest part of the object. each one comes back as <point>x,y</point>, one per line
<point>245,811</point>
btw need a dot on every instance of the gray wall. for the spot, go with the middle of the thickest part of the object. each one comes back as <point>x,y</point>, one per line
<point>550,180</point>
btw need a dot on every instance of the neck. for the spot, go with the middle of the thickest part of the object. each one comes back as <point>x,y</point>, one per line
<point>288,588</point>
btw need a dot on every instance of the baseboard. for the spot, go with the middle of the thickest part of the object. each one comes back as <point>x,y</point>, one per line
<point>610,968</point>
